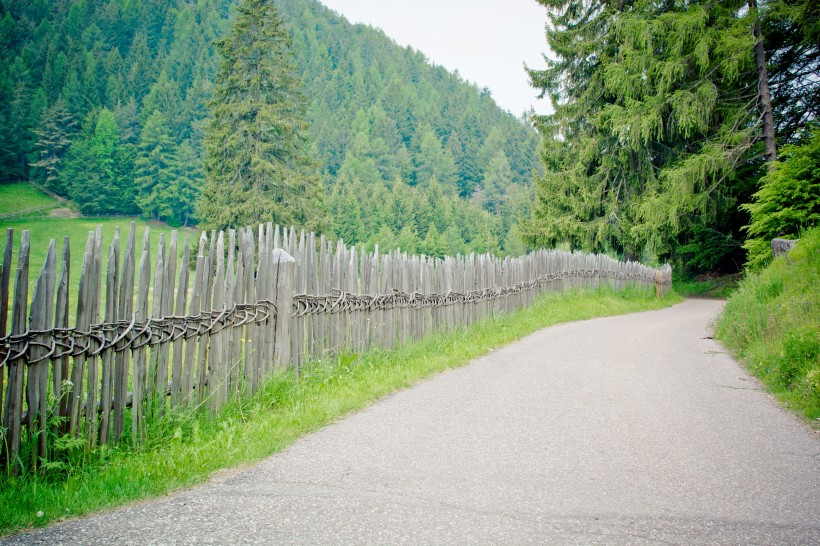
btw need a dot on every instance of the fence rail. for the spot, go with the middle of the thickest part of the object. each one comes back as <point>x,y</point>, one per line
<point>151,336</point>
<point>61,200</point>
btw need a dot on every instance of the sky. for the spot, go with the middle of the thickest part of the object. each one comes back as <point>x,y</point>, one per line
<point>487,41</point>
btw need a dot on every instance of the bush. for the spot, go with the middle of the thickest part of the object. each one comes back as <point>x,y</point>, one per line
<point>787,202</point>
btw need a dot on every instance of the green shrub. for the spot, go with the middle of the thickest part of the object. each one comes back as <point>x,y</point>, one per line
<point>787,202</point>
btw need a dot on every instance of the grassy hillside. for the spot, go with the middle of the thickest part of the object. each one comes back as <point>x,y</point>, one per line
<point>772,323</point>
<point>21,196</point>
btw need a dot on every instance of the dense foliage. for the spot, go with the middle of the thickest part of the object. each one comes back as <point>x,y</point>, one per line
<point>380,118</point>
<point>788,201</point>
<point>656,139</point>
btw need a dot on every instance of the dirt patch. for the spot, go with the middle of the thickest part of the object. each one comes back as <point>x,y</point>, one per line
<point>64,212</point>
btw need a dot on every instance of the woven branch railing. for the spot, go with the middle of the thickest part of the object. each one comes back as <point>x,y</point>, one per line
<point>144,339</point>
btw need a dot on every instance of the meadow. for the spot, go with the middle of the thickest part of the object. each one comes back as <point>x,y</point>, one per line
<point>44,230</point>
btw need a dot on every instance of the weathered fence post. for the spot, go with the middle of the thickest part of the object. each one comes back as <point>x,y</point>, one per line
<point>5,276</point>
<point>284,270</point>
<point>111,317</point>
<point>37,387</point>
<point>126,312</point>
<point>19,324</point>
<point>60,365</point>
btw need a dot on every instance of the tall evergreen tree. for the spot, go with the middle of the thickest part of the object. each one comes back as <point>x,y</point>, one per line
<point>258,164</point>
<point>655,111</point>
<point>100,168</point>
<point>156,159</point>
<point>53,139</point>
<point>433,244</point>
<point>788,201</point>
<point>187,177</point>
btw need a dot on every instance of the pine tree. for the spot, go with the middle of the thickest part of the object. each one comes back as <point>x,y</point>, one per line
<point>156,159</point>
<point>347,212</point>
<point>788,201</point>
<point>496,177</point>
<point>186,181</point>
<point>432,160</point>
<point>53,139</point>
<point>453,241</point>
<point>433,244</point>
<point>100,168</point>
<point>408,240</point>
<point>258,166</point>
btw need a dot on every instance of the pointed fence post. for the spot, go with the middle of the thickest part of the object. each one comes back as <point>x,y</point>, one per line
<point>284,271</point>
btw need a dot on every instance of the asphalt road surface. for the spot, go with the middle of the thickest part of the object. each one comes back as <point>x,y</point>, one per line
<point>637,429</point>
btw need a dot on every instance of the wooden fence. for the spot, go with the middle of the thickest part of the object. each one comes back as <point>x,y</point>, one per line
<point>181,330</point>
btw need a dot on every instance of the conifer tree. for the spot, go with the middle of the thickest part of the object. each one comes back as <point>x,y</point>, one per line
<point>100,168</point>
<point>408,240</point>
<point>788,201</point>
<point>655,111</point>
<point>433,244</point>
<point>187,181</point>
<point>258,166</point>
<point>53,139</point>
<point>156,159</point>
<point>453,241</point>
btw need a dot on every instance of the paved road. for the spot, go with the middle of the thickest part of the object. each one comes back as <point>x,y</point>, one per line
<point>626,430</point>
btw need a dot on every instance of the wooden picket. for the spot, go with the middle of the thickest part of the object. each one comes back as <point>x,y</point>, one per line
<point>256,301</point>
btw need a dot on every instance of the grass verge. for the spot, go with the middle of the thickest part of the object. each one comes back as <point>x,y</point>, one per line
<point>772,324</point>
<point>20,196</point>
<point>186,449</point>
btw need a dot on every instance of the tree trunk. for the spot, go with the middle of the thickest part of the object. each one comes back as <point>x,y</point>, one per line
<point>764,96</point>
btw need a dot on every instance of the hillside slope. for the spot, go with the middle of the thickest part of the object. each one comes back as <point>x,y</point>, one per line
<point>772,322</point>
<point>411,145</point>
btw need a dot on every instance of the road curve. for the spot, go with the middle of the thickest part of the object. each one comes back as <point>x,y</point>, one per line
<point>637,429</point>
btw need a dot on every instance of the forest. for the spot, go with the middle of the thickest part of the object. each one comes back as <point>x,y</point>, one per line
<point>108,106</point>
<point>683,131</point>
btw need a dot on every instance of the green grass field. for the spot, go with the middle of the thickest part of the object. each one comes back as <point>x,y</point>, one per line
<point>21,196</point>
<point>186,449</point>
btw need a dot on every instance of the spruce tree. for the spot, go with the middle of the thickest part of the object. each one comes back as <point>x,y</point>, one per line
<point>788,201</point>
<point>53,139</point>
<point>433,244</point>
<point>156,159</point>
<point>186,183</point>
<point>258,164</point>
<point>100,168</point>
<point>655,112</point>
